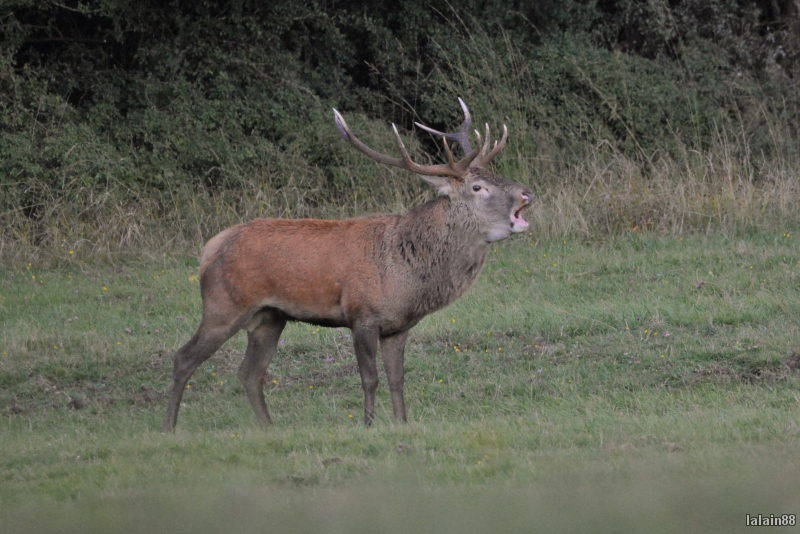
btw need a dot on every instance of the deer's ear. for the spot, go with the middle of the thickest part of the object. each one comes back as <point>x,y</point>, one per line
<point>444,185</point>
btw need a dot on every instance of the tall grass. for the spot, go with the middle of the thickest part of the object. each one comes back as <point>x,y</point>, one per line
<point>702,190</point>
<point>721,188</point>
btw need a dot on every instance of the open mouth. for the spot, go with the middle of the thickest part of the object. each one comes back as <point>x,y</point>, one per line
<point>518,224</point>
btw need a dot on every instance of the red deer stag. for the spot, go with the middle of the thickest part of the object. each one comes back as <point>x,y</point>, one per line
<point>378,276</point>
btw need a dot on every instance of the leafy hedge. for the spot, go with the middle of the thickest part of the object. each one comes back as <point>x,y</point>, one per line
<point>151,96</point>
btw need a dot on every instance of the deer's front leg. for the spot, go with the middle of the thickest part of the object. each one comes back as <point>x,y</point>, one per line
<point>392,352</point>
<point>365,341</point>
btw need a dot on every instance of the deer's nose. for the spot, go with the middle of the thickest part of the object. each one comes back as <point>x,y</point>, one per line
<point>527,197</point>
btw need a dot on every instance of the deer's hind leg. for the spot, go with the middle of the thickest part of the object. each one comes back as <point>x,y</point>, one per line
<point>210,336</point>
<point>263,332</point>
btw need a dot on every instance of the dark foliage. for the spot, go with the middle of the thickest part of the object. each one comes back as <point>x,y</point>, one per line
<point>150,95</point>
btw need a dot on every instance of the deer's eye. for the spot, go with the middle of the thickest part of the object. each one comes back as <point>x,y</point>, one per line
<point>476,188</point>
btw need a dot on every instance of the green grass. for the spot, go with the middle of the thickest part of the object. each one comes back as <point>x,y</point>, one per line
<point>637,383</point>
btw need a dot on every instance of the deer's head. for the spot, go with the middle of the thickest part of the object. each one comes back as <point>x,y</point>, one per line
<point>496,202</point>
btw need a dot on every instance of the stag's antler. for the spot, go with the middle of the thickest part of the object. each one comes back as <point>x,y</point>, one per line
<point>452,169</point>
<point>462,137</point>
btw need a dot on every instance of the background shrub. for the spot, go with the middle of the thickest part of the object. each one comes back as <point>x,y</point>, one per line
<point>154,123</point>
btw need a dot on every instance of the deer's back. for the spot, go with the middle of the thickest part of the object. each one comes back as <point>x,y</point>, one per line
<point>313,270</point>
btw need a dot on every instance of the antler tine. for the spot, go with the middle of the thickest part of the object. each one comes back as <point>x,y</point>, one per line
<point>449,154</point>
<point>485,158</point>
<point>484,144</point>
<point>341,125</point>
<point>486,141</point>
<point>462,136</point>
<point>408,163</point>
<point>498,146</point>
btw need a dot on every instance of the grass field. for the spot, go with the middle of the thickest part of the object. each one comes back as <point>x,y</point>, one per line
<point>638,383</point>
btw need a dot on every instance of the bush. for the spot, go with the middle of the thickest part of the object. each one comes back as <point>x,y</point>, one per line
<point>147,104</point>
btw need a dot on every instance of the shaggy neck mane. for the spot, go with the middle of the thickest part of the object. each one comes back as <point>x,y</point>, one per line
<point>441,245</point>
